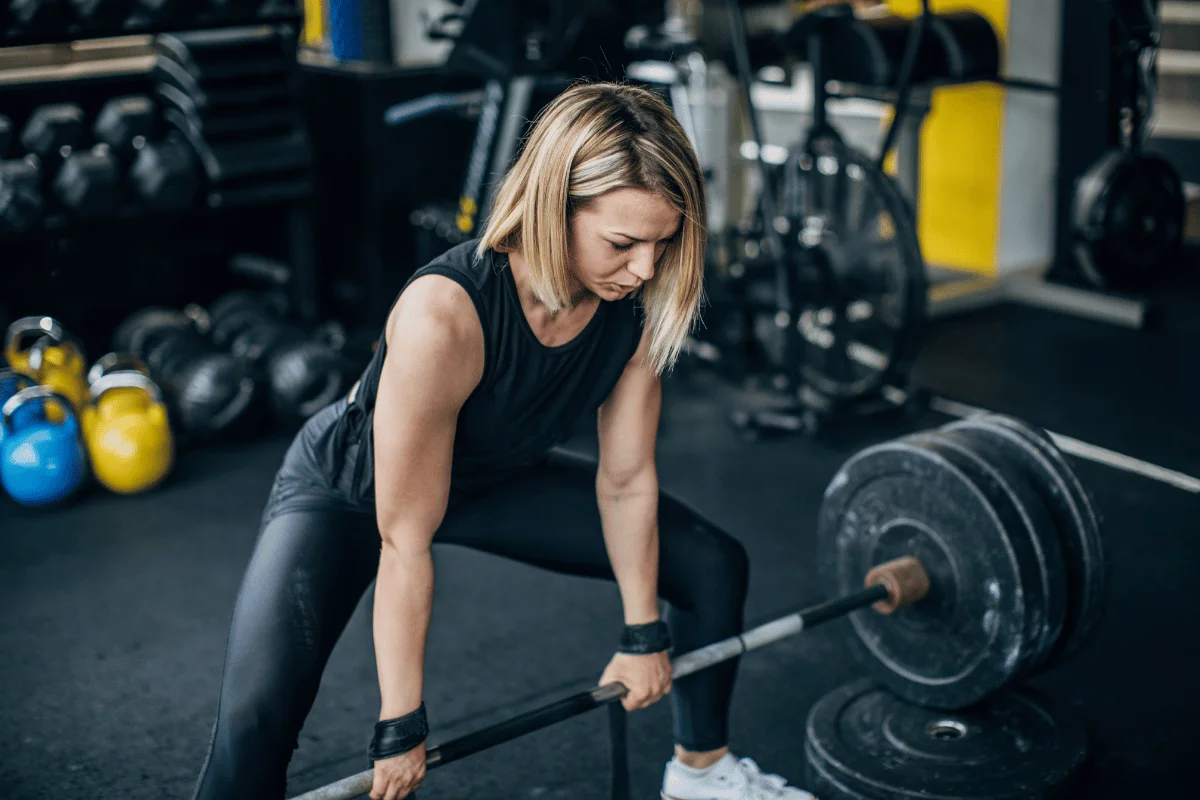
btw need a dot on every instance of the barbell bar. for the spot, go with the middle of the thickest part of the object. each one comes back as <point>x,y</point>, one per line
<point>898,583</point>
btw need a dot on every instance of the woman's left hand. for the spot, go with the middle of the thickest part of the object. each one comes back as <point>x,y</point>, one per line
<point>647,678</point>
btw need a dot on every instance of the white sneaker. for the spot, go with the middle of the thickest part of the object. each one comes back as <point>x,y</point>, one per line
<point>728,779</point>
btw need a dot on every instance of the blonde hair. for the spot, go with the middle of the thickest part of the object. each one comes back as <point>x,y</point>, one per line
<point>593,139</point>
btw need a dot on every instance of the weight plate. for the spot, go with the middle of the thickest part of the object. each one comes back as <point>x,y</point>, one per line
<point>1013,746</point>
<point>967,637</point>
<point>1039,524</point>
<point>860,285</point>
<point>1078,524</point>
<point>1129,220</point>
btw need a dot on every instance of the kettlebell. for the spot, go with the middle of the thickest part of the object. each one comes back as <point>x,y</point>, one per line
<point>12,382</point>
<point>127,432</point>
<point>43,462</point>
<point>21,334</point>
<point>61,365</point>
<point>116,362</point>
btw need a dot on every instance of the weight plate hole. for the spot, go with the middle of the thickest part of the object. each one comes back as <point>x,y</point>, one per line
<point>946,730</point>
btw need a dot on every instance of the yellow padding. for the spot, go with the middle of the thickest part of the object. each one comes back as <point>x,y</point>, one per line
<point>314,22</point>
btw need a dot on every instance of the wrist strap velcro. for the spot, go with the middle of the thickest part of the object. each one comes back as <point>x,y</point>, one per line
<point>395,737</point>
<point>643,640</point>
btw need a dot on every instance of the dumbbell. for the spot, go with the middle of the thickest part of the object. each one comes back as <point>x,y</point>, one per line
<point>86,182</point>
<point>212,393</point>
<point>21,201</point>
<point>163,173</point>
<point>303,371</point>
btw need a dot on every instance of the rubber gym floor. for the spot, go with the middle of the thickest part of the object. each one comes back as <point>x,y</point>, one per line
<point>115,610</point>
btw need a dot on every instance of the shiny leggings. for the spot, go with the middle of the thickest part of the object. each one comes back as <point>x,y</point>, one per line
<point>316,556</point>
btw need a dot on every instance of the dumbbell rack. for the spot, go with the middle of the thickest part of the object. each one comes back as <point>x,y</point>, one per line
<point>248,153</point>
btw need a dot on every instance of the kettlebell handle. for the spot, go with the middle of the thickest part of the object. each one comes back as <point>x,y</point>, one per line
<point>29,395</point>
<point>47,326</point>
<point>39,348</point>
<point>114,362</point>
<point>125,379</point>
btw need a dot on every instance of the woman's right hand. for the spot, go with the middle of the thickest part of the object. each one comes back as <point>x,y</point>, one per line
<point>399,776</point>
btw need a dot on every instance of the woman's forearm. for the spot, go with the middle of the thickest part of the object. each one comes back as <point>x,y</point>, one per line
<point>403,604</point>
<point>629,518</point>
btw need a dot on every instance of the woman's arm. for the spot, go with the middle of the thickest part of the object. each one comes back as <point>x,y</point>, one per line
<point>435,356</point>
<point>627,485</point>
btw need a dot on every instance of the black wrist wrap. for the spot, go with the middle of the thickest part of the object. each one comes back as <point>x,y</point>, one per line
<point>394,737</point>
<point>643,640</point>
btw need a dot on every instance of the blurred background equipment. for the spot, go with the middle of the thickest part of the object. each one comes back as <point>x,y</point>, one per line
<point>127,432</point>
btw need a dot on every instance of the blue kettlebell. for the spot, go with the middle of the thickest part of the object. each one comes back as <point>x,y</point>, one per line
<point>42,462</point>
<point>12,382</point>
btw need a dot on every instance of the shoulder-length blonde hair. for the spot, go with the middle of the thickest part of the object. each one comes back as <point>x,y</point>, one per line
<point>592,139</point>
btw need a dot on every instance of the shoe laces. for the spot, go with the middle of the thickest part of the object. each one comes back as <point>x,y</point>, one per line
<point>762,785</point>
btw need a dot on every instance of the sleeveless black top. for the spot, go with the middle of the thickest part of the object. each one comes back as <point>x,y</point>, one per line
<point>530,396</point>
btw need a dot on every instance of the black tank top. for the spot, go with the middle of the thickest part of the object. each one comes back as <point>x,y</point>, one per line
<point>530,397</point>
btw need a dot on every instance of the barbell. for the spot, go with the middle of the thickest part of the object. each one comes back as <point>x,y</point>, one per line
<point>982,558</point>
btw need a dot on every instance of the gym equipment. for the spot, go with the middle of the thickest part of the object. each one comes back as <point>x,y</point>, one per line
<point>827,285</point>
<point>899,584</point>
<point>211,392</point>
<point>43,462</point>
<point>864,743</point>
<point>958,588</point>
<point>24,333</point>
<point>61,365</point>
<point>303,371</point>
<point>1074,516</point>
<point>164,173</point>
<point>123,121</point>
<point>21,201</point>
<point>10,383</point>
<point>127,432</point>
<point>88,184</point>
<point>116,362</point>
<point>871,51</point>
<point>1128,214</point>
<point>1129,209</point>
<point>1010,541</point>
<point>53,129</point>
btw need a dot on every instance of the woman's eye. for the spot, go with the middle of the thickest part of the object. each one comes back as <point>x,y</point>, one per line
<point>623,247</point>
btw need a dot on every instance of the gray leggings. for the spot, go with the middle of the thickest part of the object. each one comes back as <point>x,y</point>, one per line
<point>316,555</point>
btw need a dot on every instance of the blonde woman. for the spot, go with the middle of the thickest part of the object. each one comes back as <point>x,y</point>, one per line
<point>576,299</point>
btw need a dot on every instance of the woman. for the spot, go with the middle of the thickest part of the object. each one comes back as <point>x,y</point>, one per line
<point>578,296</point>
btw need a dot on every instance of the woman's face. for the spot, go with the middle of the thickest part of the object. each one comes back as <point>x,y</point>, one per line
<point>618,240</point>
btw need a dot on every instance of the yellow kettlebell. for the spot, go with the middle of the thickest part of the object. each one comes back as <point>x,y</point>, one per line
<point>23,333</point>
<point>127,432</point>
<point>113,362</point>
<point>62,366</point>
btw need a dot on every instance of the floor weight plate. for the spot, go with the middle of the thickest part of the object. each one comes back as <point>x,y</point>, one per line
<point>865,743</point>
<point>1077,521</point>
<point>1041,527</point>
<point>966,638</point>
